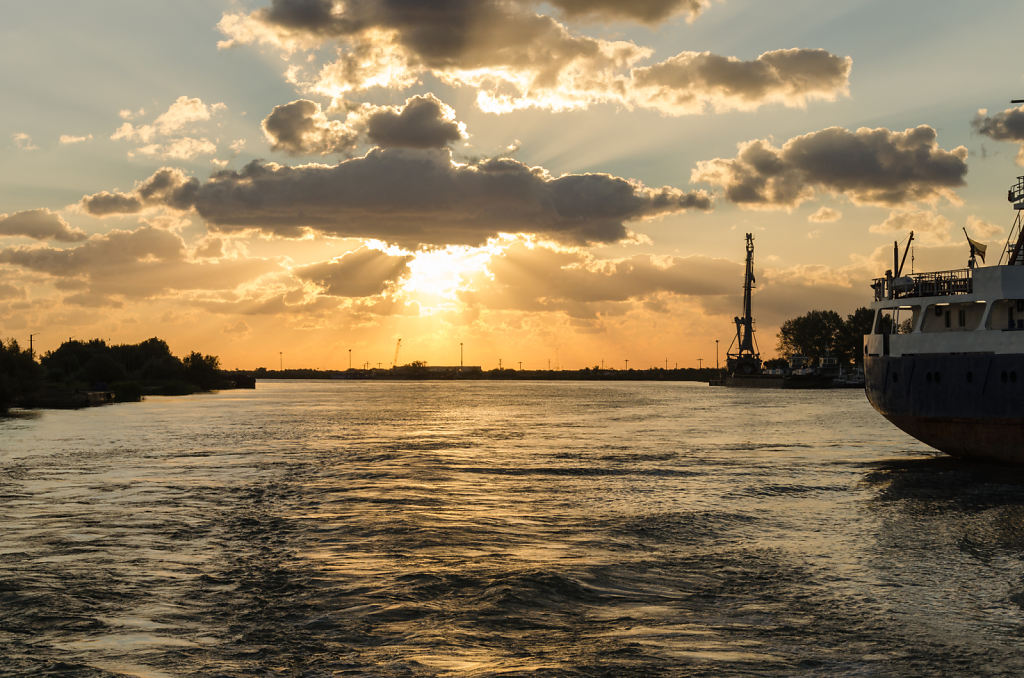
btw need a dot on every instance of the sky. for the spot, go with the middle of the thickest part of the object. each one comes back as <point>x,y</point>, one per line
<point>294,182</point>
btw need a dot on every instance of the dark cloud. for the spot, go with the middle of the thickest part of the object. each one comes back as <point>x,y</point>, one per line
<point>417,197</point>
<point>647,11</point>
<point>40,224</point>
<point>167,186</point>
<point>496,45</point>
<point>104,203</point>
<point>301,127</point>
<point>690,81</point>
<point>517,58</point>
<point>363,273</point>
<point>870,166</point>
<point>424,122</point>
<point>1006,125</point>
<point>301,14</point>
<point>440,33</point>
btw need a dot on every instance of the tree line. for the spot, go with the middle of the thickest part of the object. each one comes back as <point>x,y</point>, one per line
<point>817,334</point>
<point>129,371</point>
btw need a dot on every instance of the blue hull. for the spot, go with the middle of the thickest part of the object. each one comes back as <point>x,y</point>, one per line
<point>965,405</point>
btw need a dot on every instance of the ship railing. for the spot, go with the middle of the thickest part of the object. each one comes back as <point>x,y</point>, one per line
<point>932,284</point>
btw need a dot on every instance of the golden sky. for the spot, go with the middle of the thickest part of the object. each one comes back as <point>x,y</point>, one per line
<point>286,181</point>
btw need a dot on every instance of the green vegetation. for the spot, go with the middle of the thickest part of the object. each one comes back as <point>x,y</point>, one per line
<point>20,375</point>
<point>64,377</point>
<point>819,333</point>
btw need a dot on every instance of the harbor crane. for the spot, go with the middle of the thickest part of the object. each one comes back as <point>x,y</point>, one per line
<point>398,345</point>
<point>746,359</point>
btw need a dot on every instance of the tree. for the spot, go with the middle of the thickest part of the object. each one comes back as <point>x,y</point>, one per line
<point>202,370</point>
<point>850,339</point>
<point>19,375</point>
<point>812,334</point>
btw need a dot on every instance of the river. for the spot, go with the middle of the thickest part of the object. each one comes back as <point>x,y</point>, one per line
<point>476,528</point>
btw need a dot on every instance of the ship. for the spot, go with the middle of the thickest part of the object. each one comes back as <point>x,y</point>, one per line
<point>945,358</point>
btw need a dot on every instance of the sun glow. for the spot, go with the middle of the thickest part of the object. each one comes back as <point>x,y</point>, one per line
<point>437,276</point>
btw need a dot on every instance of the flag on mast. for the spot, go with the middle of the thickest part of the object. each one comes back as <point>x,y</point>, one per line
<point>977,248</point>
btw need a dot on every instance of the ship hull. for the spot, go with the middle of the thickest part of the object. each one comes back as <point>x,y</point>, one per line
<point>965,405</point>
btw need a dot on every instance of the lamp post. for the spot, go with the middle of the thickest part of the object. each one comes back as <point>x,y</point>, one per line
<point>716,354</point>
<point>350,359</point>
<point>627,364</point>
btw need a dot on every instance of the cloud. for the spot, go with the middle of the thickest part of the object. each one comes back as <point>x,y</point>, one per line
<point>23,142</point>
<point>423,122</point>
<point>693,81</point>
<point>414,197</point>
<point>69,139</point>
<point>301,127</point>
<point>869,166</point>
<point>104,203</point>
<point>182,148</point>
<point>930,228</point>
<point>183,112</point>
<point>163,137</point>
<point>144,263</point>
<point>41,224</point>
<point>979,228</point>
<point>167,186</point>
<point>544,279</point>
<point>647,11</point>
<point>1006,125</point>
<point>824,215</point>
<point>516,58</point>
<point>363,273</point>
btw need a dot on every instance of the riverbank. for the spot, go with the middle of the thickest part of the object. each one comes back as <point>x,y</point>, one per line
<point>426,373</point>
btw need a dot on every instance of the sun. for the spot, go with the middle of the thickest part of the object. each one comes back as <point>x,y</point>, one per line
<point>437,276</point>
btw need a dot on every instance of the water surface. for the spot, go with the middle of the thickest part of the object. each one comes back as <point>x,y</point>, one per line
<point>493,528</point>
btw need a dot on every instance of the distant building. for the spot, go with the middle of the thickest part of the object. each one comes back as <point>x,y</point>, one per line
<point>453,369</point>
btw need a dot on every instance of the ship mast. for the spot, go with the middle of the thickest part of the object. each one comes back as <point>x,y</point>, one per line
<point>746,359</point>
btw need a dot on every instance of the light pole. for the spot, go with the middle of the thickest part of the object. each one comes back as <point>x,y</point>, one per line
<point>627,364</point>
<point>699,365</point>
<point>31,352</point>
<point>716,354</point>
<point>280,355</point>
<point>460,356</point>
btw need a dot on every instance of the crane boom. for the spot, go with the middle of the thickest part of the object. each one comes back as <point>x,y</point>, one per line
<point>398,345</point>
